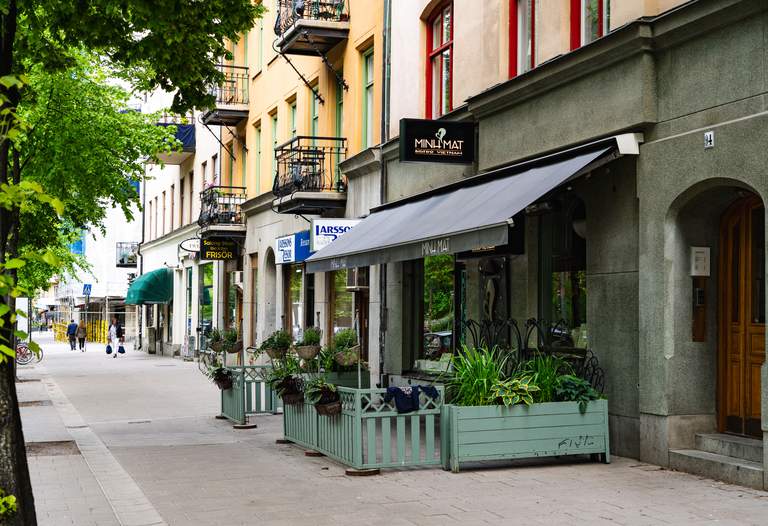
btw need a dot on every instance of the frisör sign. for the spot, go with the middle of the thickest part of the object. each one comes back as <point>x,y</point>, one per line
<point>432,141</point>
<point>218,249</point>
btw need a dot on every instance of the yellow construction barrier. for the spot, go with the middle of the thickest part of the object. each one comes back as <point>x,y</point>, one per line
<point>96,331</point>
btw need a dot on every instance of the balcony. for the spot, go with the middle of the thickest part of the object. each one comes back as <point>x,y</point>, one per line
<point>311,27</point>
<point>220,211</point>
<point>185,134</point>
<point>231,97</point>
<point>308,180</point>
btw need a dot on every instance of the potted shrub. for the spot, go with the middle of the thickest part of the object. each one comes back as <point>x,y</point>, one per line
<point>216,340</point>
<point>221,376</point>
<point>309,346</point>
<point>346,348</point>
<point>538,409</point>
<point>277,345</point>
<point>324,396</point>
<point>285,378</point>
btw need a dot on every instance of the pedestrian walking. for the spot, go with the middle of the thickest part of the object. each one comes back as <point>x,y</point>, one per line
<point>72,334</point>
<point>116,338</point>
<point>81,334</point>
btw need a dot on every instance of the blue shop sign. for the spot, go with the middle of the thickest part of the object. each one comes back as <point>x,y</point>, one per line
<point>293,248</point>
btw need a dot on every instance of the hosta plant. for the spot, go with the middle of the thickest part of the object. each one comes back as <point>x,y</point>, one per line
<point>515,391</point>
<point>571,388</point>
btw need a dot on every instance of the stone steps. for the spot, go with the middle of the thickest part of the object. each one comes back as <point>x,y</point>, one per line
<point>731,446</point>
<point>720,467</point>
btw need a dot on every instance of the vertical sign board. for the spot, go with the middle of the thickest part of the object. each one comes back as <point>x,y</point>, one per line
<point>326,231</point>
<point>293,248</point>
<point>218,249</point>
<point>431,141</point>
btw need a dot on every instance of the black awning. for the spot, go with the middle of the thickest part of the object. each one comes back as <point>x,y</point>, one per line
<point>472,214</point>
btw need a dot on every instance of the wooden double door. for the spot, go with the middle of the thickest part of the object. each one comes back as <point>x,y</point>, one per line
<point>742,316</point>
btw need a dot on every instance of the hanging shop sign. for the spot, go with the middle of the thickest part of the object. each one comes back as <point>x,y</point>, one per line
<point>191,244</point>
<point>218,249</point>
<point>293,248</point>
<point>433,141</point>
<point>326,231</point>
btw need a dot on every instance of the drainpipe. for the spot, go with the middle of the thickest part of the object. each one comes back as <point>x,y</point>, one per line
<point>385,117</point>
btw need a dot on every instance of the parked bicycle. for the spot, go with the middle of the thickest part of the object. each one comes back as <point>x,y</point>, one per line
<point>25,355</point>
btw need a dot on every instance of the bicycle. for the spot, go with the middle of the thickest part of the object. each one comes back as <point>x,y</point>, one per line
<point>25,355</point>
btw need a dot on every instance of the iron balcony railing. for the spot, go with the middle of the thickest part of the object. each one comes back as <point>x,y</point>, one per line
<point>309,164</point>
<point>185,129</point>
<point>221,205</point>
<point>234,88</point>
<point>291,11</point>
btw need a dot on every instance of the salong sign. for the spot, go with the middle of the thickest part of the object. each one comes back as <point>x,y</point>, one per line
<point>218,249</point>
<point>437,141</point>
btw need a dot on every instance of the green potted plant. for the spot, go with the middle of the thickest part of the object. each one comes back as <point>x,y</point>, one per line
<point>323,395</point>
<point>285,378</point>
<point>216,340</point>
<point>277,344</point>
<point>221,376</point>
<point>346,348</point>
<point>231,341</point>
<point>309,346</point>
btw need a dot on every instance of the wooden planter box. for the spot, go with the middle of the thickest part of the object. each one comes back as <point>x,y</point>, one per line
<point>470,434</point>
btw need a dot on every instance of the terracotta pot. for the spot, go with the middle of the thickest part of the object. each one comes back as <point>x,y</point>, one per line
<point>308,352</point>
<point>329,409</point>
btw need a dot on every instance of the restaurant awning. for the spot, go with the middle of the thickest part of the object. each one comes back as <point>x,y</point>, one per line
<point>150,288</point>
<point>471,214</point>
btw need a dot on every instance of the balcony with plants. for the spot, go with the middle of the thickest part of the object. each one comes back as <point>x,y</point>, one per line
<point>231,95</point>
<point>311,27</point>
<point>220,210</point>
<point>185,135</point>
<point>308,180</point>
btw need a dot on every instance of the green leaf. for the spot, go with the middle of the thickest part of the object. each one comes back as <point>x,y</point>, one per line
<point>14,263</point>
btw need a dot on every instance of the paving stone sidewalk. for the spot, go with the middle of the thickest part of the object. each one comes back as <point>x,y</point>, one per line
<point>154,417</point>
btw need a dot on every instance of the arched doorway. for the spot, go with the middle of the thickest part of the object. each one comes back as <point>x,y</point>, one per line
<point>741,313</point>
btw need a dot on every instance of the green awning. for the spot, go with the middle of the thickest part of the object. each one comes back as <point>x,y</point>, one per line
<point>152,287</point>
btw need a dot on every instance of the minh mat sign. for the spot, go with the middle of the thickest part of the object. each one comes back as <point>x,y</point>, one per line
<point>437,141</point>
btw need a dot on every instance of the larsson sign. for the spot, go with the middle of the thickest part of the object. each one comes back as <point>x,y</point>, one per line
<point>326,231</point>
<point>437,141</point>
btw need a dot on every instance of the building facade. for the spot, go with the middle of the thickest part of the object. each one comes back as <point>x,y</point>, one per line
<point>649,251</point>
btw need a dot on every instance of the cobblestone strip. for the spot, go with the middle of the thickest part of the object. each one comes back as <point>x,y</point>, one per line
<point>130,505</point>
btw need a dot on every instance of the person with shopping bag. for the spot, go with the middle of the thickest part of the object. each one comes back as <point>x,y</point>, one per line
<point>115,338</point>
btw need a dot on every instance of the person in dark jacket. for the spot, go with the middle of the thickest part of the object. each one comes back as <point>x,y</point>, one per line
<point>72,334</point>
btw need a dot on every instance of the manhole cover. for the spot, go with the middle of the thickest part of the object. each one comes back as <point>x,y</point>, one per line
<point>50,449</point>
<point>35,403</point>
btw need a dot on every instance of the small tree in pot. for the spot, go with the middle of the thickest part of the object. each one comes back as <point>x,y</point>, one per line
<point>309,346</point>
<point>324,396</point>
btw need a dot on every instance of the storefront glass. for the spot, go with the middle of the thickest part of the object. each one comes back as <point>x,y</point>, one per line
<point>206,298</point>
<point>343,302</point>
<point>296,299</point>
<point>437,313</point>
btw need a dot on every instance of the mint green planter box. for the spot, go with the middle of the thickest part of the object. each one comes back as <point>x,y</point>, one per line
<point>475,433</point>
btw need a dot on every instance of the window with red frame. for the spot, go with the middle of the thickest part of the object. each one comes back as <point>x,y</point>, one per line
<point>589,21</point>
<point>522,31</point>
<point>440,61</point>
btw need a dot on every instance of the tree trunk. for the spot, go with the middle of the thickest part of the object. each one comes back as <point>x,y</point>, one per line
<point>14,472</point>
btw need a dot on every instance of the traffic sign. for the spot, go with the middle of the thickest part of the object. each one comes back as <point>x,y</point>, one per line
<point>86,289</point>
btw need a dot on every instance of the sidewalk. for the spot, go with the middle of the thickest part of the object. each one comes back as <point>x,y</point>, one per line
<point>150,420</point>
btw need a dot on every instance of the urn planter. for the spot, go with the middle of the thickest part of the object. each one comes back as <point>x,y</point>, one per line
<point>476,433</point>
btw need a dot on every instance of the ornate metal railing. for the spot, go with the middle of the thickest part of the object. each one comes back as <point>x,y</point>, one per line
<point>309,164</point>
<point>291,11</point>
<point>220,205</point>
<point>234,88</point>
<point>369,432</point>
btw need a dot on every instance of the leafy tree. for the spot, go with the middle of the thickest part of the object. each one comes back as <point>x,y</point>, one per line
<point>172,46</point>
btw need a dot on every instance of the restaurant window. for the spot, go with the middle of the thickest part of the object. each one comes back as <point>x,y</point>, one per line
<point>522,34</point>
<point>342,302</point>
<point>563,249</point>
<point>440,61</point>
<point>589,21</point>
<point>368,75</point>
